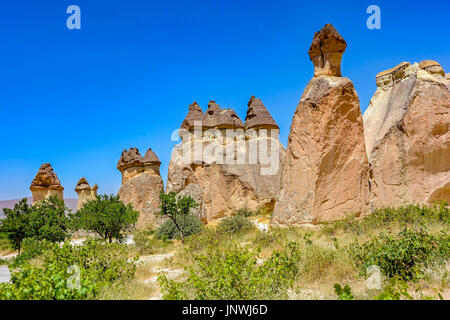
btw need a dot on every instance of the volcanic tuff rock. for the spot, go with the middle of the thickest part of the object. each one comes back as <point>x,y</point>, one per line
<point>326,170</point>
<point>407,137</point>
<point>218,118</point>
<point>432,67</point>
<point>195,114</point>
<point>221,186</point>
<point>141,184</point>
<point>258,116</point>
<point>326,52</point>
<point>85,192</point>
<point>46,184</point>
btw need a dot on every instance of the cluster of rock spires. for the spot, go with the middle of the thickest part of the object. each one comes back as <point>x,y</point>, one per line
<point>337,161</point>
<point>46,184</point>
<point>222,188</point>
<point>141,183</point>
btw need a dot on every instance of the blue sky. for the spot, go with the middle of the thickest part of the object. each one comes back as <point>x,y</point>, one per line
<point>77,98</point>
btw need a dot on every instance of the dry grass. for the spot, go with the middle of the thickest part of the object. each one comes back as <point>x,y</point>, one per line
<point>132,290</point>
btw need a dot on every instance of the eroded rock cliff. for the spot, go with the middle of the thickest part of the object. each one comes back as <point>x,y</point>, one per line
<point>407,135</point>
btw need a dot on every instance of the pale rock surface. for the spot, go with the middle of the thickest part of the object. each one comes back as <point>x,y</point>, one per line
<point>326,170</point>
<point>407,137</point>
<point>141,184</point>
<point>46,184</point>
<point>85,192</point>
<point>220,187</point>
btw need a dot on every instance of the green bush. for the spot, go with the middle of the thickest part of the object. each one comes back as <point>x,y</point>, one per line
<point>244,212</point>
<point>32,248</point>
<point>234,273</point>
<point>266,239</point>
<point>405,255</point>
<point>235,224</point>
<point>316,261</point>
<point>177,209</point>
<point>189,225</point>
<point>70,272</point>
<point>147,243</point>
<point>208,237</point>
<point>343,293</point>
<point>407,215</point>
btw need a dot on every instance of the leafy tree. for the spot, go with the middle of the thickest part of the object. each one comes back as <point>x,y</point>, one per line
<point>189,225</point>
<point>107,216</point>
<point>174,208</point>
<point>16,223</point>
<point>48,220</point>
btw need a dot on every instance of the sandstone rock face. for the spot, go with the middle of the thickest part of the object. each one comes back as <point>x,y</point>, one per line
<point>46,184</point>
<point>141,184</point>
<point>226,165</point>
<point>326,171</point>
<point>407,138</point>
<point>85,192</point>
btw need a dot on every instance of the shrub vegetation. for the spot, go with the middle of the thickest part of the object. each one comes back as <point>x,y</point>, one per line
<point>69,272</point>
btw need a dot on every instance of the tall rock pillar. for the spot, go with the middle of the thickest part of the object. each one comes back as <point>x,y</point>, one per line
<point>326,171</point>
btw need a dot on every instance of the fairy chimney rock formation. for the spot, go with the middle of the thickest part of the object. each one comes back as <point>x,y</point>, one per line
<point>258,116</point>
<point>151,161</point>
<point>326,171</point>
<point>407,137</point>
<point>218,118</point>
<point>224,181</point>
<point>195,114</point>
<point>141,184</point>
<point>130,163</point>
<point>85,192</point>
<point>46,184</point>
<point>326,52</point>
